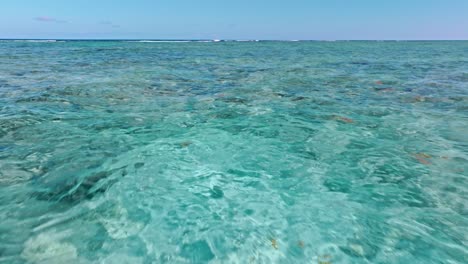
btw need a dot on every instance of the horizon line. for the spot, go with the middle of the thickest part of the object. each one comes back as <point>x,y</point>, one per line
<point>220,40</point>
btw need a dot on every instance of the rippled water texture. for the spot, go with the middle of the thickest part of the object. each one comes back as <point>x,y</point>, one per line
<point>265,152</point>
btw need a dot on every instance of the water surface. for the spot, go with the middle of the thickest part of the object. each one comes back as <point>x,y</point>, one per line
<point>230,152</point>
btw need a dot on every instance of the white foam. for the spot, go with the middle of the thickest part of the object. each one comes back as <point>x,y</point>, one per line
<point>160,41</point>
<point>35,40</point>
<point>121,258</point>
<point>167,41</point>
<point>47,248</point>
<point>118,226</point>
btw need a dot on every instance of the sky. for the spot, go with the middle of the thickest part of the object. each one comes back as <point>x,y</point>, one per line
<point>235,19</point>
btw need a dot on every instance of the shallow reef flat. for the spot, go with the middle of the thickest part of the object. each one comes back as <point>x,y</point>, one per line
<point>233,152</point>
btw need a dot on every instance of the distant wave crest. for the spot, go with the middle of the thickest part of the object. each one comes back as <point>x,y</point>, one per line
<point>33,40</point>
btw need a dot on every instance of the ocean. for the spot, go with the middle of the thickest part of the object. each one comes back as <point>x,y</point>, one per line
<point>233,152</point>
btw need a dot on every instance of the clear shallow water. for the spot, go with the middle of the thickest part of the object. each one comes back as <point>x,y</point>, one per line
<point>269,152</point>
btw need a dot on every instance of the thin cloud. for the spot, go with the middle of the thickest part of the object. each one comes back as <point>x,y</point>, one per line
<point>110,24</point>
<point>49,19</point>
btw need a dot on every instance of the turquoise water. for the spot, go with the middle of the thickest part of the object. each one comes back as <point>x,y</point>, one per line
<point>230,152</point>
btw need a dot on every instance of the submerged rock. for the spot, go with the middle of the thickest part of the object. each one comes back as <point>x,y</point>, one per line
<point>300,244</point>
<point>197,252</point>
<point>216,192</point>
<point>299,98</point>
<point>274,243</point>
<point>185,144</point>
<point>138,165</point>
<point>343,119</point>
<point>423,158</point>
<point>81,189</point>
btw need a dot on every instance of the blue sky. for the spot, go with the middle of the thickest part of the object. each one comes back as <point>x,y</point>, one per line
<point>235,19</point>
